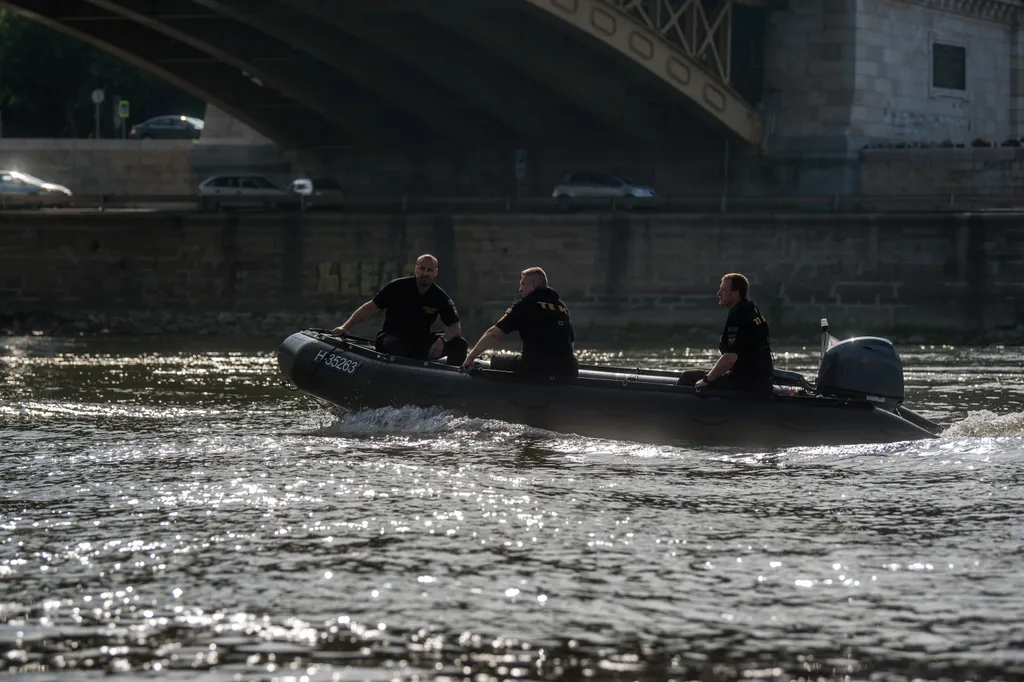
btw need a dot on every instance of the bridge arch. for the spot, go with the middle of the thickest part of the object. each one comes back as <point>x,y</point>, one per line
<point>603,72</point>
<point>644,40</point>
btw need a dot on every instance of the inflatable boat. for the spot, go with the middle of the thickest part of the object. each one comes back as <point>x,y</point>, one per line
<point>856,397</point>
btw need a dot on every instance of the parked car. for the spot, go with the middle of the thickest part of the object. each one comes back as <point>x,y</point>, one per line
<point>168,128</point>
<point>242,191</point>
<point>591,187</point>
<point>22,190</point>
<point>319,192</point>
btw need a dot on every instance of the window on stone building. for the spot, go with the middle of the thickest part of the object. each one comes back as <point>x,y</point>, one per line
<point>949,66</point>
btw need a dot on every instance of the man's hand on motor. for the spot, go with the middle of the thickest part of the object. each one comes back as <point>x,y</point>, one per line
<point>436,349</point>
<point>339,331</point>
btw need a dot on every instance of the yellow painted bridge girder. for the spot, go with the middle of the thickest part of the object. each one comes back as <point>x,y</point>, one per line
<point>674,40</point>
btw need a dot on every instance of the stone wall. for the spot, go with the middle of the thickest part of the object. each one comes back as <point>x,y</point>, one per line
<point>894,97</point>
<point>1017,82</point>
<point>906,172</point>
<point>89,167</point>
<point>808,71</point>
<point>229,146</point>
<point>845,73</point>
<point>220,127</point>
<point>941,276</point>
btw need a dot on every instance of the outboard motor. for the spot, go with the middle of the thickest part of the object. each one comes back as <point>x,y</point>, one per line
<point>862,368</point>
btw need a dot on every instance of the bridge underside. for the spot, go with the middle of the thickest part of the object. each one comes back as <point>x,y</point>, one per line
<point>405,74</point>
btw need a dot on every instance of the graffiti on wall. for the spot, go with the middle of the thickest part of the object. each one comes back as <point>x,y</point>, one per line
<point>926,127</point>
<point>359,278</point>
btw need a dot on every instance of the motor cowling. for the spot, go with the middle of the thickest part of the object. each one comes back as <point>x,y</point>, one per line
<point>864,368</point>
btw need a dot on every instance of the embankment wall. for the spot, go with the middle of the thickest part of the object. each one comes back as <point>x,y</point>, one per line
<point>919,276</point>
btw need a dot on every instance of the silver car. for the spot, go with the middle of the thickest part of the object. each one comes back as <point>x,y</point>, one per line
<point>22,189</point>
<point>168,128</point>
<point>241,191</point>
<point>588,187</point>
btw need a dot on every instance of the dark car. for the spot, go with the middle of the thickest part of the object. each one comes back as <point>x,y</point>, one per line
<point>319,192</point>
<point>168,128</point>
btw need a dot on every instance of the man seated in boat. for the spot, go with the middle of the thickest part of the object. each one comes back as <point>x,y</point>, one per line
<point>412,305</point>
<point>746,361</point>
<point>544,325</point>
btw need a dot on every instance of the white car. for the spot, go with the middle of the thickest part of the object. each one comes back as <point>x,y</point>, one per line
<point>241,191</point>
<point>22,189</point>
<point>588,187</point>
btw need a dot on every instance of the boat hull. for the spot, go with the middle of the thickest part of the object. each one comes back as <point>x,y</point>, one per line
<point>614,403</point>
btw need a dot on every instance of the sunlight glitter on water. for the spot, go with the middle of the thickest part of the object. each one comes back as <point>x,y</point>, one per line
<point>183,513</point>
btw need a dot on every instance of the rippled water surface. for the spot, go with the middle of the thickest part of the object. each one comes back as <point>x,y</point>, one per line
<point>177,512</point>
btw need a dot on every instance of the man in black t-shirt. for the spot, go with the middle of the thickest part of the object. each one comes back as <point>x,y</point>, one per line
<point>412,305</point>
<point>746,360</point>
<point>545,327</point>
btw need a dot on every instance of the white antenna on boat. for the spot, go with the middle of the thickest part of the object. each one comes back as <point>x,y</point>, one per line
<point>824,336</point>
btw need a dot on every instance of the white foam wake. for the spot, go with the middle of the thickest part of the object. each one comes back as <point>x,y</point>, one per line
<point>986,423</point>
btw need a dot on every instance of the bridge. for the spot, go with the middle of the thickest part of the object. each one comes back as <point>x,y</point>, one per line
<point>403,74</point>
<point>699,96</point>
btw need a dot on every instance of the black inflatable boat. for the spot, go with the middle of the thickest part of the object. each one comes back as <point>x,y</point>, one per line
<point>856,397</point>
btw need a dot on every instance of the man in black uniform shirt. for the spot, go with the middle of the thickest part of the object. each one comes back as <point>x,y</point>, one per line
<point>746,360</point>
<point>543,323</point>
<point>411,306</point>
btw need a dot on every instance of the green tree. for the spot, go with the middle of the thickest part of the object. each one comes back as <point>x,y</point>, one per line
<point>46,79</point>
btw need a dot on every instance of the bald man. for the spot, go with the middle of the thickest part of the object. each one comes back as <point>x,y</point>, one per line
<point>412,305</point>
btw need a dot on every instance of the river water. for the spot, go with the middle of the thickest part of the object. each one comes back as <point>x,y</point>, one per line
<point>174,511</point>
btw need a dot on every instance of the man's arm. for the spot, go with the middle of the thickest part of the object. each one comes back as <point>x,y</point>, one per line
<point>361,314</point>
<point>491,338</point>
<point>724,364</point>
<point>450,318</point>
<point>452,331</point>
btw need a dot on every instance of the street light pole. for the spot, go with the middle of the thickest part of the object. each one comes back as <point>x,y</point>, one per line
<point>97,99</point>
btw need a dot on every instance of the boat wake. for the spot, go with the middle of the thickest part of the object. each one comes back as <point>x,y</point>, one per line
<point>422,421</point>
<point>986,424</point>
<point>390,421</point>
<point>435,422</point>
